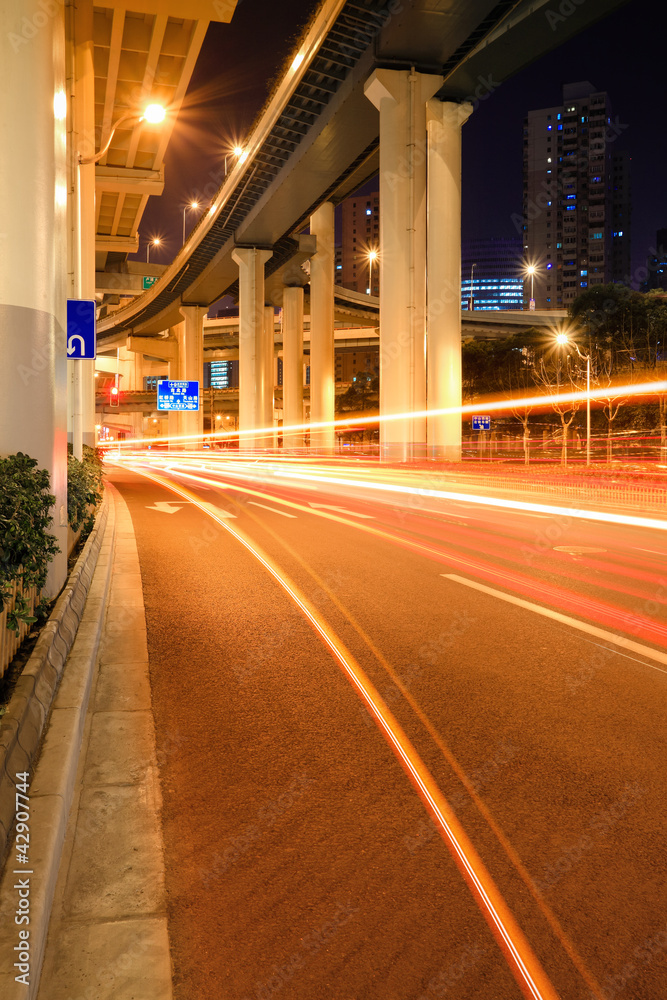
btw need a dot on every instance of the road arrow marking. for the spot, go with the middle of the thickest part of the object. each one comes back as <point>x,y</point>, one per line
<point>164,506</point>
<point>342,510</point>
<point>70,344</point>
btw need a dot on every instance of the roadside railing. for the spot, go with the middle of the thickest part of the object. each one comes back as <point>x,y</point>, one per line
<point>10,639</point>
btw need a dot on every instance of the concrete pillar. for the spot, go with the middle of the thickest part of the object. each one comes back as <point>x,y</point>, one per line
<point>252,342</point>
<point>401,96</point>
<point>174,373</point>
<point>322,363</point>
<point>81,209</point>
<point>136,383</point>
<point>444,121</point>
<point>190,335</point>
<point>293,365</point>
<point>33,252</point>
<point>269,441</point>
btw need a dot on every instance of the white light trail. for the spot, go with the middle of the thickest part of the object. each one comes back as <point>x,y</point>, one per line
<point>495,406</point>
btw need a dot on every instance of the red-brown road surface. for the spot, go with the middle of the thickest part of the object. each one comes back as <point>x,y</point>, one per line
<point>300,861</point>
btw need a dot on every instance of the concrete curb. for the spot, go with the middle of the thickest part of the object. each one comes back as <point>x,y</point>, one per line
<point>22,726</point>
<point>76,624</point>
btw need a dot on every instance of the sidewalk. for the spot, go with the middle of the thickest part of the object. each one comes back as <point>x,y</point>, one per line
<point>107,935</point>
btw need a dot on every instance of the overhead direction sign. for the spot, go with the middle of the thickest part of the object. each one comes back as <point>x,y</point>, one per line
<point>149,281</point>
<point>481,423</point>
<point>177,395</point>
<point>81,338</point>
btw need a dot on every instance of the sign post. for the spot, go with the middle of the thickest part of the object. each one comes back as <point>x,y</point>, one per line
<point>81,335</point>
<point>481,423</point>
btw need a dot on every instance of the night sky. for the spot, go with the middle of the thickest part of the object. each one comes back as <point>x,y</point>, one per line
<point>623,54</point>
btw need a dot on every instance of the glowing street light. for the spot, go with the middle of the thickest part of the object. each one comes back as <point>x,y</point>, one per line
<point>192,206</point>
<point>530,270</point>
<point>155,242</point>
<point>240,154</point>
<point>561,340</point>
<point>372,256</point>
<point>154,114</point>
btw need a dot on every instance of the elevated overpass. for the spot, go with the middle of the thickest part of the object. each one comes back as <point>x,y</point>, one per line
<point>318,137</point>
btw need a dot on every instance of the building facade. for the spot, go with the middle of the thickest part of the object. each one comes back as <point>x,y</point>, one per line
<point>576,198</point>
<point>360,236</point>
<point>492,274</point>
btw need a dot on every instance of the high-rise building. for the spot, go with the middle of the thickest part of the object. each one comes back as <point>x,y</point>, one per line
<point>360,236</point>
<point>576,198</point>
<point>492,274</point>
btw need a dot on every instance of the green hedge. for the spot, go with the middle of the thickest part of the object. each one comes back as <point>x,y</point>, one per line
<point>84,489</point>
<point>26,547</point>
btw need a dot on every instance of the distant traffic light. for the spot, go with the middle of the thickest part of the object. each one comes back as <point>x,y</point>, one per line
<point>114,396</point>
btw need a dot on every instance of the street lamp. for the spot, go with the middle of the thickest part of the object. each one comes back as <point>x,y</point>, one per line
<point>530,270</point>
<point>193,205</point>
<point>561,339</point>
<point>239,153</point>
<point>154,114</point>
<point>472,275</point>
<point>155,242</point>
<point>372,256</point>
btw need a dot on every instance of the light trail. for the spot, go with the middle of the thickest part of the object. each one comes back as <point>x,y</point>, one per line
<point>493,406</point>
<point>524,964</point>
<point>602,612</point>
<point>522,505</point>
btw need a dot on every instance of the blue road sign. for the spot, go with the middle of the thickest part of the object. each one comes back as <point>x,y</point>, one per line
<point>480,423</point>
<point>81,339</point>
<point>177,395</point>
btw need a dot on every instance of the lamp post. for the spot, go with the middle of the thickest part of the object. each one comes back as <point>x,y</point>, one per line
<point>193,205</point>
<point>472,276</point>
<point>561,339</point>
<point>530,270</point>
<point>154,114</point>
<point>153,243</point>
<point>372,257</point>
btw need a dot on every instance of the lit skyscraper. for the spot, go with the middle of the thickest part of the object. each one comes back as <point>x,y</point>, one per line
<point>492,274</point>
<point>576,198</point>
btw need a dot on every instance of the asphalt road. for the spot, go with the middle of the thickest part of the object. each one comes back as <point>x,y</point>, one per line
<point>301,862</point>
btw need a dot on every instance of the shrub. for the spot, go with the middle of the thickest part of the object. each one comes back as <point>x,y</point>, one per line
<point>26,547</point>
<point>84,489</point>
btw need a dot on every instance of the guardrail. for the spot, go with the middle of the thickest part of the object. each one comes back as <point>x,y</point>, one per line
<point>10,640</point>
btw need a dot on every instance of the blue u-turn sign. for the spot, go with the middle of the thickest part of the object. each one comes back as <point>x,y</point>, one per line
<point>481,423</point>
<point>81,340</point>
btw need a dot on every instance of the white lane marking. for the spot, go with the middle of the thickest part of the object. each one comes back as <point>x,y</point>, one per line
<point>164,507</point>
<point>650,551</point>
<point>342,510</point>
<point>577,550</point>
<point>600,633</point>
<point>617,652</point>
<point>283,513</point>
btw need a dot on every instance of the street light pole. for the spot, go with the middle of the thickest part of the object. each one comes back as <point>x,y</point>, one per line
<point>155,243</point>
<point>531,271</point>
<point>562,338</point>
<point>472,278</point>
<point>372,256</point>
